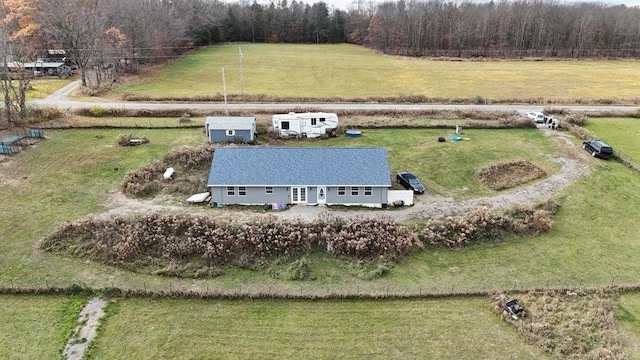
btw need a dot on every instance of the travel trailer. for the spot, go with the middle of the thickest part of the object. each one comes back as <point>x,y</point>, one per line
<point>310,125</point>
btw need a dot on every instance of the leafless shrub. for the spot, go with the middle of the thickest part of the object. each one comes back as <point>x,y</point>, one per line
<point>180,241</point>
<point>482,225</point>
<point>185,118</point>
<point>578,131</point>
<point>44,114</point>
<point>189,161</point>
<point>516,121</point>
<point>576,119</point>
<point>506,175</point>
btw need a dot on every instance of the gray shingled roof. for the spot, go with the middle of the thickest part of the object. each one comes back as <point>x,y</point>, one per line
<point>270,166</point>
<point>230,122</point>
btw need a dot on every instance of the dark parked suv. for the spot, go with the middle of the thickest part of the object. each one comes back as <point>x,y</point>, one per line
<point>598,149</point>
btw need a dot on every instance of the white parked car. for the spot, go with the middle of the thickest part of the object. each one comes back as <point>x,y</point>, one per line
<point>536,116</point>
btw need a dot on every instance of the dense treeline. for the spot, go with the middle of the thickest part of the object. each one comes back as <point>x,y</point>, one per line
<point>110,31</point>
<point>505,29</point>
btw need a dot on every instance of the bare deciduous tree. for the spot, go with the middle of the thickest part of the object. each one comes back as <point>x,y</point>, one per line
<point>77,25</point>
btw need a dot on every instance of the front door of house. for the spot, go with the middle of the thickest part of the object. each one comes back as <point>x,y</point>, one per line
<point>298,195</point>
<point>322,194</point>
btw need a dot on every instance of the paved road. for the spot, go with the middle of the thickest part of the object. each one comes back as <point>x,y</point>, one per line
<point>60,99</point>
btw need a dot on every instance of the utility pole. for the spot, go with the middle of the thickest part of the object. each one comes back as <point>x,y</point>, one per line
<point>241,77</point>
<point>224,91</point>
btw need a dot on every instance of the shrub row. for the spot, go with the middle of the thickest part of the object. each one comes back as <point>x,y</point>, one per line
<point>482,225</point>
<point>152,240</point>
<point>197,245</point>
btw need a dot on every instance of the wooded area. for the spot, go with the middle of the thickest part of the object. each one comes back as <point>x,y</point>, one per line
<point>114,32</point>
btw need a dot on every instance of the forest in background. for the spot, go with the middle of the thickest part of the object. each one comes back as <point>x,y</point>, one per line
<point>152,30</point>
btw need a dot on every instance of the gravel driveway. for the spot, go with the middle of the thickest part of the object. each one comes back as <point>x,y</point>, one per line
<point>575,164</point>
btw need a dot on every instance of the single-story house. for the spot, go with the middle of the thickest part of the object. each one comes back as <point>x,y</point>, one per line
<point>41,68</point>
<point>272,175</point>
<point>230,128</point>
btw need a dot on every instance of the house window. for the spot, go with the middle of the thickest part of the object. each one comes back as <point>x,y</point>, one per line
<point>322,119</point>
<point>354,191</point>
<point>284,125</point>
<point>268,190</point>
<point>368,191</point>
<point>231,132</point>
<point>314,121</point>
<point>231,191</point>
<point>242,191</point>
<point>342,191</point>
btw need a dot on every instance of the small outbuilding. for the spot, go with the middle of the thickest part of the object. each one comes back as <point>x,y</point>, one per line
<point>269,175</point>
<point>230,128</point>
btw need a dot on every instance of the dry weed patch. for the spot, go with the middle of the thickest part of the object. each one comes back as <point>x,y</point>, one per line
<point>190,165</point>
<point>569,325</point>
<point>189,245</point>
<point>507,175</point>
<point>198,245</point>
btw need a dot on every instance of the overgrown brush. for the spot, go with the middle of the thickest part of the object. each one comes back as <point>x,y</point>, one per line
<point>516,121</point>
<point>40,114</point>
<point>125,140</point>
<point>482,225</point>
<point>507,175</point>
<point>569,324</point>
<point>199,245</point>
<point>196,245</point>
<point>575,119</point>
<point>187,161</point>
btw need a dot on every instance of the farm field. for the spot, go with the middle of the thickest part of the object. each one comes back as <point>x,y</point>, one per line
<point>279,329</point>
<point>36,327</point>
<point>346,71</point>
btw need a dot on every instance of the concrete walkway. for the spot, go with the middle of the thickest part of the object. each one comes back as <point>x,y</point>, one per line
<point>85,331</point>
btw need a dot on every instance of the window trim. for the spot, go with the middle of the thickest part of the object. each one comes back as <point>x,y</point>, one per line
<point>268,190</point>
<point>231,133</point>
<point>231,191</point>
<point>242,191</point>
<point>368,191</point>
<point>355,191</point>
<point>342,191</point>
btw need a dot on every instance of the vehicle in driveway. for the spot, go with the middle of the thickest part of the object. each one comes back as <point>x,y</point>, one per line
<point>410,182</point>
<point>536,116</point>
<point>598,148</point>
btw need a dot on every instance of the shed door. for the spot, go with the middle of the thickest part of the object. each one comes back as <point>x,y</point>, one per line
<point>298,195</point>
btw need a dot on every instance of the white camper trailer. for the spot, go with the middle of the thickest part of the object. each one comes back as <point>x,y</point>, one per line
<point>308,124</point>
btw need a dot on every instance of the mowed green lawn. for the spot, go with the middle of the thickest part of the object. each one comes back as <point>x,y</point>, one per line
<point>347,71</point>
<point>621,133</point>
<point>628,322</point>
<point>36,327</point>
<point>275,329</point>
<point>75,173</point>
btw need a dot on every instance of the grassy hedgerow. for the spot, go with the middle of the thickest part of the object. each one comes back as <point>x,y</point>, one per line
<point>200,245</point>
<point>196,245</point>
<point>482,225</point>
